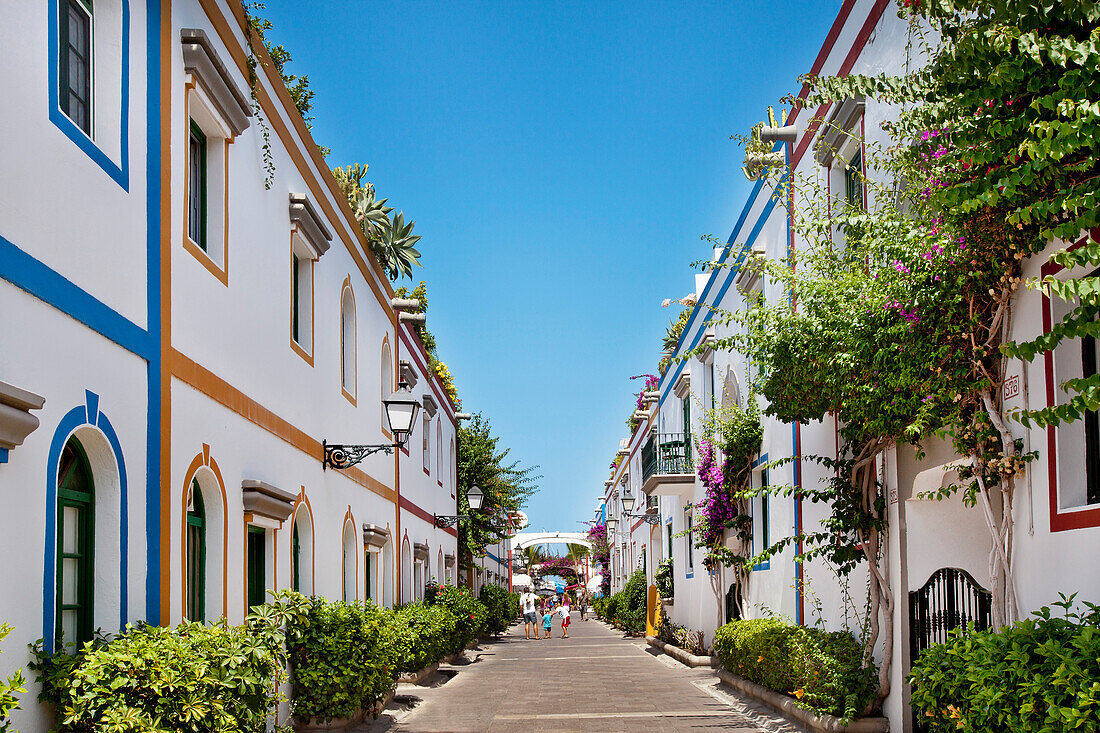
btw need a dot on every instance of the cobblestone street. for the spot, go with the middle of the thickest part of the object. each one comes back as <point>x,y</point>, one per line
<point>593,681</point>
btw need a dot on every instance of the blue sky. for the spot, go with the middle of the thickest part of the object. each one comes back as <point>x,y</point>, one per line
<point>561,161</point>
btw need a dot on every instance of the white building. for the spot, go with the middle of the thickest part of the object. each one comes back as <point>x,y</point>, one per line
<point>184,329</point>
<point>1057,509</point>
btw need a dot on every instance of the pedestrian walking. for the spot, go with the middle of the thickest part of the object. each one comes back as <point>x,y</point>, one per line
<point>530,620</point>
<point>565,617</point>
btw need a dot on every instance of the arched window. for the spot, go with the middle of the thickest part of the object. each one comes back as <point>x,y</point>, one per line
<point>349,563</point>
<point>427,443</point>
<point>406,572</point>
<point>439,452</point>
<point>301,549</point>
<point>386,386</point>
<point>453,467</point>
<point>75,547</point>
<point>196,555</point>
<point>347,342</point>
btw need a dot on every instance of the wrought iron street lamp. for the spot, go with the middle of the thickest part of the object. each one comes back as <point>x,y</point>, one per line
<point>628,506</point>
<point>474,497</point>
<point>401,409</point>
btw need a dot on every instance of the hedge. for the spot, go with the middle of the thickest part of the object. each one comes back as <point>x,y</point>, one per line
<point>823,670</point>
<point>421,635</point>
<point>626,609</point>
<point>1040,674</point>
<point>344,658</point>
<point>191,677</point>
<point>470,615</point>
<point>502,607</point>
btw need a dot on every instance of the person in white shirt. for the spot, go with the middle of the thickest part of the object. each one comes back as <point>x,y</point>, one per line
<point>529,601</point>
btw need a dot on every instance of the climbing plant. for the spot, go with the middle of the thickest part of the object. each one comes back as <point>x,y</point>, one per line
<point>898,316</point>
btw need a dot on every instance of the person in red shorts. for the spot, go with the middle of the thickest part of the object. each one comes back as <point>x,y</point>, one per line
<point>565,616</point>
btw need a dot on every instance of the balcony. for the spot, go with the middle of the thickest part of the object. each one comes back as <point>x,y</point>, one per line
<point>668,467</point>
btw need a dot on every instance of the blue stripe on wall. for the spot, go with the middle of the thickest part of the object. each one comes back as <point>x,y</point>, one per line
<point>153,263</point>
<point>27,273</point>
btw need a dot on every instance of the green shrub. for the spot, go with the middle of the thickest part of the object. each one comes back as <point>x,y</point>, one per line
<point>823,670</point>
<point>420,635</point>
<point>194,677</point>
<point>680,636</point>
<point>611,608</point>
<point>469,614</point>
<point>9,689</point>
<point>662,578</point>
<point>342,659</point>
<point>1040,674</point>
<point>501,607</point>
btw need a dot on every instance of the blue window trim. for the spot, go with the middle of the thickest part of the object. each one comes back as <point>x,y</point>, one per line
<point>767,564</point>
<point>86,414</point>
<point>119,173</point>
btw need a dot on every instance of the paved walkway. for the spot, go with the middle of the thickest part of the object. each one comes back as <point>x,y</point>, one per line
<point>593,681</point>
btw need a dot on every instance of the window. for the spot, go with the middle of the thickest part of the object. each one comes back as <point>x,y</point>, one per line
<point>196,555</point>
<point>686,406</point>
<point>75,547</point>
<point>368,576</point>
<point>765,519</point>
<point>1092,426</point>
<point>299,272</point>
<point>387,387</point>
<point>439,453</point>
<point>689,539</point>
<point>710,383</point>
<point>761,519</point>
<point>348,561</point>
<point>256,560</point>
<point>418,584</point>
<point>669,527</point>
<point>427,444</point>
<point>296,560</point>
<point>347,342</point>
<point>196,186</point>
<point>75,64</point>
<point>853,181</point>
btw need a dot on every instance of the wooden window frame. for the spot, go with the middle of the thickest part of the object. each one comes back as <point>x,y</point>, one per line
<point>84,554</point>
<point>196,135</point>
<point>64,48</point>
<point>251,574</point>
<point>196,556</point>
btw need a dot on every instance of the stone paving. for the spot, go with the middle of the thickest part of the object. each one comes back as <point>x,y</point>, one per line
<point>593,681</point>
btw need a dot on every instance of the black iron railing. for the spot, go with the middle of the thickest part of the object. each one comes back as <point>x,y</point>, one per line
<point>665,454</point>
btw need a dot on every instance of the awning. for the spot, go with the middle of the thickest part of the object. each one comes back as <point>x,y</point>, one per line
<point>521,580</point>
<point>932,479</point>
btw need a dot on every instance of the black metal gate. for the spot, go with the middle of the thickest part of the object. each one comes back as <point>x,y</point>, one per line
<point>951,599</point>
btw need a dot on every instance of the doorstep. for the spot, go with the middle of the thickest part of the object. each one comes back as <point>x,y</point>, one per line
<point>684,657</point>
<point>821,723</point>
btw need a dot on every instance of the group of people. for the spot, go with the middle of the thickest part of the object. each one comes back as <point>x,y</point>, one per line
<point>546,609</point>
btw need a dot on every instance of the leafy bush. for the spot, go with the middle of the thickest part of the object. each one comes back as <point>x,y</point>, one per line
<point>192,677</point>
<point>420,635</point>
<point>823,670</point>
<point>1038,674</point>
<point>626,609</point>
<point>9,689</point>
<point>501,607</point>
<point>662,578</point>
<point>343,661</point>
<point>610,610</point>
<point>469,614</point>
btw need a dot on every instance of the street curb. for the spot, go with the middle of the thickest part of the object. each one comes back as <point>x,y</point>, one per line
<point>686,658</point>
<point>787,706</point>
<point>412,678</point>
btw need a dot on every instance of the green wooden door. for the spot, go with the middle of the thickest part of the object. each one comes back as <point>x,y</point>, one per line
<point>73,623</point>
<point>257,565</point>
<point>196,556</point>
